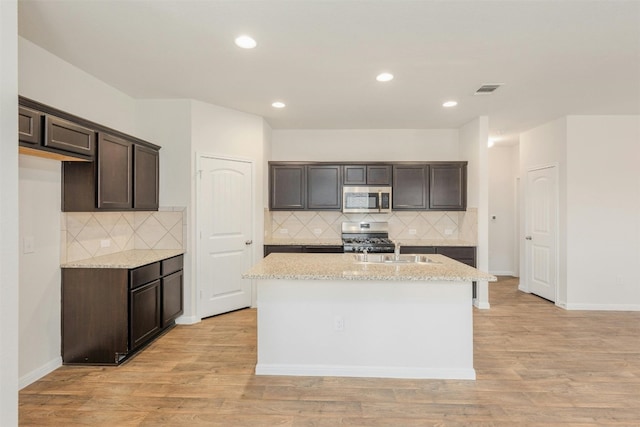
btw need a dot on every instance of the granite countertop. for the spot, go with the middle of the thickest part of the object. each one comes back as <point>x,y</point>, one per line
<point>344,267</point>
<point>127,259</point>
<point>338,242</point>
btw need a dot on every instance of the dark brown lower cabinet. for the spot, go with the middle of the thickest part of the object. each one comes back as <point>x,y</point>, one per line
<point>108,314</point>
<point>463,254</point>
<point>145,313</point>
<point>317,249</point>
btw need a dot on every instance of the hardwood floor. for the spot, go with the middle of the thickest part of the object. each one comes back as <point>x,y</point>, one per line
<point>536,365</point>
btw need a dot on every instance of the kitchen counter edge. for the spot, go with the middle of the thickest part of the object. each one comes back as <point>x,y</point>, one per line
<point>338,242</point>
<point>127,259</point>
<point>294,266</point>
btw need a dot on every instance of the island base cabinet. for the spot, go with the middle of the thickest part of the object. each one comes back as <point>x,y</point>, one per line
<point>94,315</point>
<point>384,329</point>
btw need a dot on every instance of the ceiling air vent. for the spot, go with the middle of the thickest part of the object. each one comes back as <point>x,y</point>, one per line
<point>486,89</point>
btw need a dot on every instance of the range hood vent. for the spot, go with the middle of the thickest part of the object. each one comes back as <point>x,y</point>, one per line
<point>488,88</point>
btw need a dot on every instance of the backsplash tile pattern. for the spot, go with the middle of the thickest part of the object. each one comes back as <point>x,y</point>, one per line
<point>83,233</point>
<point>403,226</point>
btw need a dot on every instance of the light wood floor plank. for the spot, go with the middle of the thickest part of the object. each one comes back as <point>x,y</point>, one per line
<point>536,365</point>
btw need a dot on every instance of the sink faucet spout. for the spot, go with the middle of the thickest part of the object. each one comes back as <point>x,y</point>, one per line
<point>396,251</point>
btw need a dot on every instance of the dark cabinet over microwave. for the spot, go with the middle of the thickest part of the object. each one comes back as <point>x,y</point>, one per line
<point>416,186</point>
<point>367,174</point>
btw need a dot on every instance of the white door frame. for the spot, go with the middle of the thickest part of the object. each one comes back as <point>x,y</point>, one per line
<point>524,284</point>
<point>198,230</point>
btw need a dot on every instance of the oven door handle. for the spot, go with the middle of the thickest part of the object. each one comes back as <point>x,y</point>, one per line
<point>380,201</point>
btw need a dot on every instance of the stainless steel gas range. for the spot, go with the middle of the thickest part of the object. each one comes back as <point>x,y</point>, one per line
<point>370,236</point>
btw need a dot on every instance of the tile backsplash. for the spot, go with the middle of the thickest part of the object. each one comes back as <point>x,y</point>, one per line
<point>404,226</point>
<point>88,234</point>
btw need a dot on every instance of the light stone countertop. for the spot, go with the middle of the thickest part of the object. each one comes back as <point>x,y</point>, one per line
<point>127,259</point>
<point>296,266</point>
<point>338,242</point>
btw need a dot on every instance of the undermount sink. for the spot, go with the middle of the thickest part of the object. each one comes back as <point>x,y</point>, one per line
<point>392,259</point>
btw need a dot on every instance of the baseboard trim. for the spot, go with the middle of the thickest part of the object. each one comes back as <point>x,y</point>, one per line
<point>187,320</point>
<point>482,305</point>
<point>602,307</point>
<point>365,371</point>
<point>503,273</point>
<point>42,371</point>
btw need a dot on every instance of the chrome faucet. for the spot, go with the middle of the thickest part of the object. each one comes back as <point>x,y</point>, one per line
<point>365,255</point>
<point>396,251</point>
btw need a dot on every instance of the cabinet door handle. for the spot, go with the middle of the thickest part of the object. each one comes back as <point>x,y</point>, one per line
<point>248,242</point>
<point>528,238</point>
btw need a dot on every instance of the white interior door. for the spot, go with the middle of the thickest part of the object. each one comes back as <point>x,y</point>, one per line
<point>224,222</point>
<point>541,232</point>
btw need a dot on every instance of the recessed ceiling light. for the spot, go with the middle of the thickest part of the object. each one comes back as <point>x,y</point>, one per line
<point>246,42</point>
<point>384,77</point>
<point>278,104</point>
<point>449,104</point>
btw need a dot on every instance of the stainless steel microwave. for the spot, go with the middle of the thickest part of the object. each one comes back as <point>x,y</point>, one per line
<point>362,199</point>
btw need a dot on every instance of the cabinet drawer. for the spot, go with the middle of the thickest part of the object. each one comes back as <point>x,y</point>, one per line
<point>172,265</point>
<point>144,274</point>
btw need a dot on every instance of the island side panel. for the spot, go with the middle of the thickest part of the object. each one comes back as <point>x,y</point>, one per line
<point>412,329</point>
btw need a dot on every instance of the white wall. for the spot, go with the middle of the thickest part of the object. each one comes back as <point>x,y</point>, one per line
<point>503,171</point>
<point>8,213</point>
<point>603,212</point>
<point>65,87</point>
<point>546,145</point>
<point>474,137</point>
<point>39,306</point>
<point>50,80</point>
<point>365,145</point>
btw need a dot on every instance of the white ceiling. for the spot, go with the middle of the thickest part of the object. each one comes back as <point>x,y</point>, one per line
<point>555,58</point>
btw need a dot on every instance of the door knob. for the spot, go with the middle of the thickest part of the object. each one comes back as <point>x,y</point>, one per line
<point>528,238</point>
<point>248,242</point>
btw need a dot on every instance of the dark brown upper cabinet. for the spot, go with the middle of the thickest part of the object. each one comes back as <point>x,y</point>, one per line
<point>29,127</point>
<point>146,180</point>
<point>124,176</point>
<point>119,172</point>
<point>324,187</point>
<point>448,186</point>
<point>287,187</point>
<point>416,186</point>
<point>70,137</point>
<point>115,173</point>
<point>410,184</point>
<point>367,175</point>
<point>49,136</point>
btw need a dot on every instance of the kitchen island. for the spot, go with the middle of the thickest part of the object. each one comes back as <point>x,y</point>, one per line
<point>331,315</point>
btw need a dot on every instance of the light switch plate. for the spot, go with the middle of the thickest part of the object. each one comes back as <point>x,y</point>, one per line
<point>28,245</point>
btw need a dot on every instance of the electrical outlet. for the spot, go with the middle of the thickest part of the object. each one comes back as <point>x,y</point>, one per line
<point>317,231</point>
<point>413,231</point>
<point>105,243</point>
<point>448,231</point>
<point>338,323</point>
<point>284,231</point>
